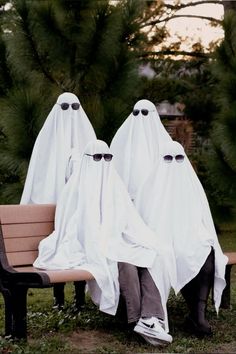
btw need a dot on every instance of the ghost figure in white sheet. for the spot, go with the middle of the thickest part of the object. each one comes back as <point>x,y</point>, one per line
<point>97,225</point>
<point>137,143</point>
<point>173,203</point>
<point>59,145</point>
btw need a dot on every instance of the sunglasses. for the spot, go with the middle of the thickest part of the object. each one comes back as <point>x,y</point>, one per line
<point>64,106</point>
<point>98,157</point>
<point>169,158</point>
<point>143,111</point>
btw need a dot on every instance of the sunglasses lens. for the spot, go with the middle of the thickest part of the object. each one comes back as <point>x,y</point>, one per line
<point>135,112</point>
<point>108,157</point>
<point>168,158</point>
<point>75,106</point>
<point>144,112</point>
<point>97,157</point>
<point>179,158</point>
<point>65,106</point>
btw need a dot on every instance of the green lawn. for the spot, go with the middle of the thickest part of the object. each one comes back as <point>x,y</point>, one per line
<point>52,331</point>
<point>227,239</point>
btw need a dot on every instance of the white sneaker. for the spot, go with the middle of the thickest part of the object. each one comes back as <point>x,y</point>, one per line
<point>152,331</point>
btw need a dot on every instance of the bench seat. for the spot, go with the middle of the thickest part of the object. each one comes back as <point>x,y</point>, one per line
<point>59,276</point>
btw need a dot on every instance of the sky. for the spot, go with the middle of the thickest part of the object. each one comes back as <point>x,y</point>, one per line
<point>194,28</point>
<point>197,28</point>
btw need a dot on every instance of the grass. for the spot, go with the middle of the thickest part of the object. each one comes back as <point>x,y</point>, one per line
<point>52,331</point>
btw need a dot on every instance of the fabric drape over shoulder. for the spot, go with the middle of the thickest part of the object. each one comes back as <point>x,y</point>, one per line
<point>173,203</point>
<point>64,133</point>
<point>97,225</point>
<point>136,145</point>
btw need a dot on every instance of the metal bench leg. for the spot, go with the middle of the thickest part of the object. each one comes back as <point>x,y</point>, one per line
<point>225,300</point>
<point>79,294</point>
<point>19,305</point>
<point>58,294</point>
<point>8,311</point>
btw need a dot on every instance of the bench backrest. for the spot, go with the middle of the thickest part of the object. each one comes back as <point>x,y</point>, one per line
<point>22,228</point>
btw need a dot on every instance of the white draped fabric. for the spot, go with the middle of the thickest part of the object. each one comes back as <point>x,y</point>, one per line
<point>97,225</point>
<point>136,145</point>
<point>173,203</point>
<point>63,133</point>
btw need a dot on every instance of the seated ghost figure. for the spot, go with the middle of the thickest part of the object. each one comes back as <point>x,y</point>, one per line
<point>137,143</point>
<point>173,203</point>
<point>65,133</point>
<point>97,227</point>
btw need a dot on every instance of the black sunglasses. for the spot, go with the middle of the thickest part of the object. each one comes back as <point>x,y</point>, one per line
<point>64,106</point>
<point>169,158</point>
<point>98,157</point>
<point>143,111</point>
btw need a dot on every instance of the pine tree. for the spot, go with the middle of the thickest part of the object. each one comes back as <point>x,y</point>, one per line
<point>222,160</point>
<point>87,47</point>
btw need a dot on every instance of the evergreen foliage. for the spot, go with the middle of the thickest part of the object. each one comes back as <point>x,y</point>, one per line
<point>222,160</point>
<point>189,82</point>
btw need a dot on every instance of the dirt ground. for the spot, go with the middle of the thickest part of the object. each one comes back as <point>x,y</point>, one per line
<point>93,341</point>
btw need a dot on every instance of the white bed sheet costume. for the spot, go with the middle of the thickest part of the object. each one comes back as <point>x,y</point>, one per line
<point>96,226</point>
<point>137,143</point>
<point>61,140</point>
<point>173,203</point>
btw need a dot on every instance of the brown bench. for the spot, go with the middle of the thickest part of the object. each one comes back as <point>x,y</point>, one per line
<point>22,227</point>
<point>225,301</point>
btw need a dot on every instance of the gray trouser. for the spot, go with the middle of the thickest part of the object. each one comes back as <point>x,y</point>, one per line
<point>142,298</point>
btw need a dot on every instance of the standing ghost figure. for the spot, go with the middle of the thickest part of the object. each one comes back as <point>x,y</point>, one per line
<point>173,203</point>
<point>96,226</point>
<point>137,143</point>
<point>64,135</point>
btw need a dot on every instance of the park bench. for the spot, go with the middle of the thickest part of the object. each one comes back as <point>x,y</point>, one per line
<point>225,300</point>
<point>22,227</point>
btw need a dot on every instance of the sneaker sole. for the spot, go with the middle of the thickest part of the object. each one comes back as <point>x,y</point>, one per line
<point>145,332</point>
<point>152,341</point>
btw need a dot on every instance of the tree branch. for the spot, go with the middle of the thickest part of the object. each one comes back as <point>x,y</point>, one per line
<point>175,53</point>
<point>201,2</point>
<point>155,22</point>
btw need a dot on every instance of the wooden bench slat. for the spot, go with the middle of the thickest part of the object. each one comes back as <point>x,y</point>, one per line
<point>22,258</point>
<point>58,276</point>
<point>29,229</point>
<point>16,214</point>
<point>22,244</point>
<point>231,256</point>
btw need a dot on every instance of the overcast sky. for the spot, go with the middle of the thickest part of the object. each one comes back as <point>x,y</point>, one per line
<point>197,28</point>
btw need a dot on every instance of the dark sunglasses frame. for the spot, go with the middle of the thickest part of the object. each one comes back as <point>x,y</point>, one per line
<point>98,157</point>
<point>144,112</point>
<point>64,106</point>
<point>169,158</point>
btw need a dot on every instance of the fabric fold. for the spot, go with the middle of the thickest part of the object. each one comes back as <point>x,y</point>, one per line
<point>64,132</point>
